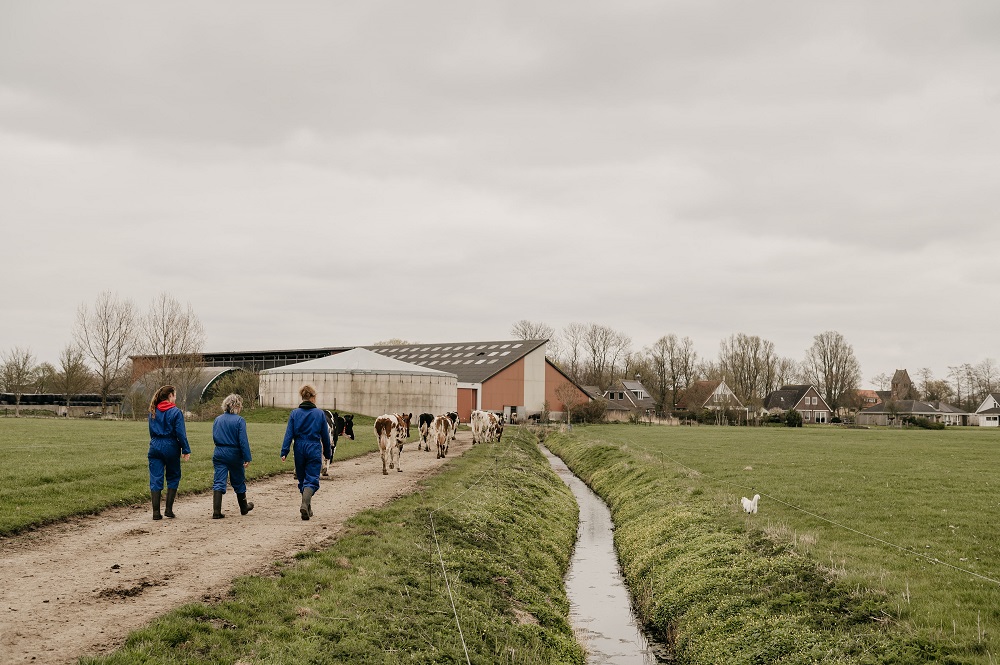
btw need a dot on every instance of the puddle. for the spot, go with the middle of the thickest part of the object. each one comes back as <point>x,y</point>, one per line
<point>600,605</point>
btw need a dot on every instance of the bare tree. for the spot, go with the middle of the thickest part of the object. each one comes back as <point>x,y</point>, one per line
<point>571,348</point>
<point>106,334</point>
<point>672,364</point>
<point>605,348</point>
<point>73,377</point>
<point>786,371</point>
<point>525,329</point>
<point>174,337</point>
<point>882,381</point>
<point>749,364</point>
<point>570,397</point>
<point>831,366</point>
<point>17,374</point>
<point>44,378</point>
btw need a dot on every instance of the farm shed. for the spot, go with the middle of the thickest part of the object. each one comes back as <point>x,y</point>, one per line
<point>509,376</point>
<point>361,381</point>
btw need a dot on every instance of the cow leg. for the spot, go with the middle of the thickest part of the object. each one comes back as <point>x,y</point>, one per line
<point>399,458</point>
<point>326,467</point>
<point>382,449</point>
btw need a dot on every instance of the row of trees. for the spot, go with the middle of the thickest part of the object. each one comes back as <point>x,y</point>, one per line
<point>593,354</point>
<point>105,334</point>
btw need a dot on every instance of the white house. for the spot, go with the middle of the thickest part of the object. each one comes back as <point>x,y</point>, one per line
<point>989,411</point>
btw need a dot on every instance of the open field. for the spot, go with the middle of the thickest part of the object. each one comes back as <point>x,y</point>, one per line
<point>901,523</point>
<point>54,468</point>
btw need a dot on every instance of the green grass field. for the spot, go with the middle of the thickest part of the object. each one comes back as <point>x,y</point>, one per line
<point>54,468</point>
<point>908,517</point>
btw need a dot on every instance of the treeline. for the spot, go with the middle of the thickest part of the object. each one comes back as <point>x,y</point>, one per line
<point>598,355</point>
<point>97,359</point>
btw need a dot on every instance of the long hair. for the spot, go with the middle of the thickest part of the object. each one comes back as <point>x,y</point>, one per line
<point>161,395</point>
<point>232,404</point>
<point>307,393</point>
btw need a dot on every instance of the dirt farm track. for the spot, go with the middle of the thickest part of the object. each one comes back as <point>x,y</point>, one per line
<point>77,588</point>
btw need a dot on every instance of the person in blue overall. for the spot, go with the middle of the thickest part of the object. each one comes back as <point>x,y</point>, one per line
<point>231,456</point>
<point>168,445</point>
<point>308,429</point>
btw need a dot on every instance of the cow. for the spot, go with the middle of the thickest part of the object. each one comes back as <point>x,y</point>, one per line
<point>404,419</point>
<point>339,426</point>
<point>442,434</point>
<point>390,429</point>
<point>453,415</point>
<point>486,427</point>
<point>426,424</point>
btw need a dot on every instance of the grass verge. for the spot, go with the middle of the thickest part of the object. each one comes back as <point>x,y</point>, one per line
<point>721,591</point>
<point>504,525</point>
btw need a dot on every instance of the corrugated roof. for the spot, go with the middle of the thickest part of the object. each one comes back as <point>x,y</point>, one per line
<point>471,362</point>
<point>359,361</point>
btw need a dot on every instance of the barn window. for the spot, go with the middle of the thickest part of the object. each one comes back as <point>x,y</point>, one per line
<point>480,362</point>
<point>505,353</point>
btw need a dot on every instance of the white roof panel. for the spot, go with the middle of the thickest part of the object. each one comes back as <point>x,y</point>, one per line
<point>358,360</point>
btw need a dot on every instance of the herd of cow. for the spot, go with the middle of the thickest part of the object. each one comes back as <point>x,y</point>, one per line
<point>393,429</point>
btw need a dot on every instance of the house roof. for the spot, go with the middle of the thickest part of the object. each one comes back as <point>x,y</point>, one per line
<point>471,362</point>
<point>358,361</point>
<point>700,393</point>
<point>788,396</point>
<point>913,407</point>
<point>595,392</point>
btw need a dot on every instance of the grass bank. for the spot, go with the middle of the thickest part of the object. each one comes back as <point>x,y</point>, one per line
<point>804,581</point>
<point>55,467</point>
<point>504,525</point>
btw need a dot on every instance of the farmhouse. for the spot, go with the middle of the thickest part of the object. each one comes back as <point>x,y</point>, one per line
<point>893,412</point>
<point>712,395</point>
<point>627,399</point>
<point>803,398</point>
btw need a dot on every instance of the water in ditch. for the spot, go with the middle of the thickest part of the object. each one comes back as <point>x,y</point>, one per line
<point>600,604</point>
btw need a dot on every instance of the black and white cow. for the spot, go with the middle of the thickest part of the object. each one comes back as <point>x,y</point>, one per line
<point>339,426</point>
<point>426,424</point>
<point>453,415</point>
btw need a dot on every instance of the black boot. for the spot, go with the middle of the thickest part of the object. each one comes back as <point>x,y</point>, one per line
<point>245,506</point>
<point>217,505</point>
<point>306,508</point>
<point>169,510</point>
<point>155,495</point>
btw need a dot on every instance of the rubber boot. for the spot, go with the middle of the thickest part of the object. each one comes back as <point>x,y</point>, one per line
<point>155,495</point>
<point>306,508</point>
<point>169,510</point>
<point>245,506</point>
<point>217,505</point>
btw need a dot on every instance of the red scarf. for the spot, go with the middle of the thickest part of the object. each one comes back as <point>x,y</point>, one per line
<point>164,405</point>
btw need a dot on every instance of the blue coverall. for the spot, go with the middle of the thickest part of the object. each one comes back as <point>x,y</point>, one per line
<point>167,441</point>
<point>307,427</point>
<point>232,449</point>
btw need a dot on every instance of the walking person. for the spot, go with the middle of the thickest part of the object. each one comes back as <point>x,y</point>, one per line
<point>231,456</point>
<point>308,430</point>
<point>168,445</point>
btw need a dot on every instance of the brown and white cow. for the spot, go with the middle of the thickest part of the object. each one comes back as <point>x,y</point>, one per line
<point>442,434</point>
<point>390,429</point>
<point>486,427</point>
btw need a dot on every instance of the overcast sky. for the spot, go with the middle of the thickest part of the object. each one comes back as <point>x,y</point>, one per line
<point>310,174</point>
